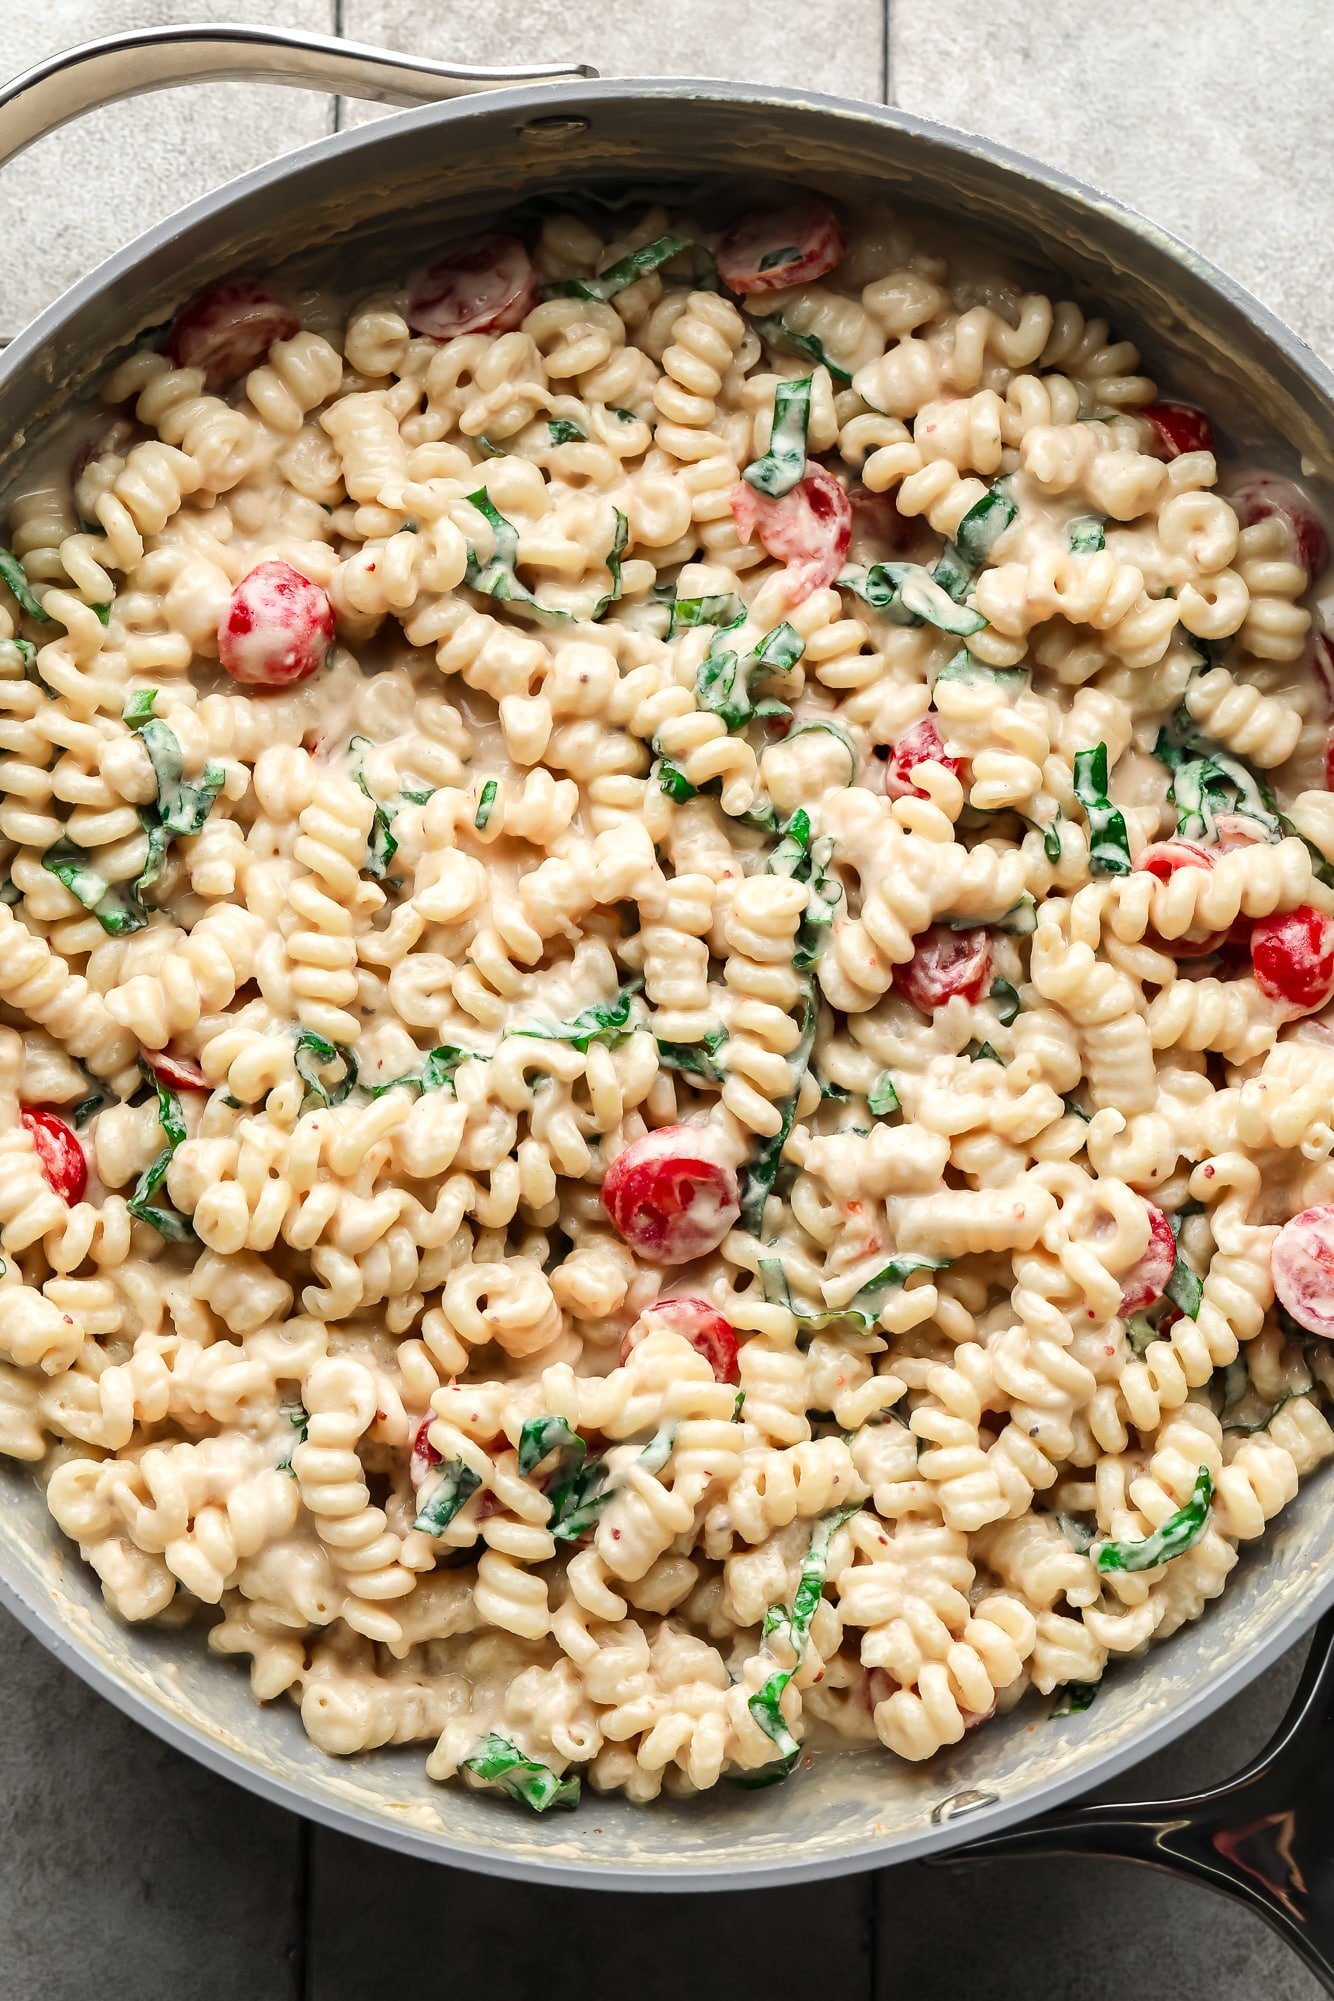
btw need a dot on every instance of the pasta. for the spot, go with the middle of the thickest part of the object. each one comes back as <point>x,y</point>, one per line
<point>665,991</point>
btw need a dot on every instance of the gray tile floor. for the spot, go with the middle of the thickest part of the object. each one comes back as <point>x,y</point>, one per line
<point>127,1873</point>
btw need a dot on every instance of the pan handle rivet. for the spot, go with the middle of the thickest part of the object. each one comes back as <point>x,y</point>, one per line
<point>960,1803</point>
<point>553,131</point>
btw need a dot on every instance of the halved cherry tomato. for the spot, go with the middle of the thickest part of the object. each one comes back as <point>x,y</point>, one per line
<point>59,1151</point>
<point>707,1331</point>
<point>1144,1282</point>
<point>1266,495</point>
<point>878,514</point>
<point>809,528</point>
<point>424,1456</point>
<point>276,629</point>
<point>946,963</point>
<point>228,331</point>
<point>920,744</point>
<point>669,1196</point>
<point>1179,427</point>
<point>176,1072</point>
<point>486,287</point>
<point>775,247</point>
<point>1302,1264</point>
<point>1293,958</point>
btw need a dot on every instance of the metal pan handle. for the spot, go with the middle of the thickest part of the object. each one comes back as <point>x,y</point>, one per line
<point>1265,1837</point>
<point>78,79</point>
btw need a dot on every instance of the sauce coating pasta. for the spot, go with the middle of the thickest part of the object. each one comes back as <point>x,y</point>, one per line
<point>664,989</point>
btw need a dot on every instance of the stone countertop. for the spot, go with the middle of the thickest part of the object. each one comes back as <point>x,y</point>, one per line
<point>127,1871</point>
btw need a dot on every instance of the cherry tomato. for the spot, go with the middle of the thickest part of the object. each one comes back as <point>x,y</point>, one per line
<point>176,1072</point>
<point>946,963</point>
<point>1302,1263</point>
<point>486,287</point>
<point>424,1455</point>
<point>1178,428</point>
<point>1293,958</point>
<point>1144,1282</point>
<point>669,1197</point>
<point>920,744</point>
<point>809,528</point>
<point>276,629</point>
<point>229,330</point>
<point>878,515</point>
<point>1266,495</point>
<point>59,1152</point>
<point>708,1333</point>
<point>1163,859</point>
<point>775,247</point>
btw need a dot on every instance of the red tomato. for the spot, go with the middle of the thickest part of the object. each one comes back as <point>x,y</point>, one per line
<point>59,1152</point>
<point>946,963</point>
<point>1266,495</point>
<point>1293,958</point>
<point>276,628</point>
<point>177,1073</point>
<point>229,330</point>
<point>1144,1282</point>
<point>1179,427</point>
<point>878,515</point>
<point>809,528</point>
<point>487,287</point>
<point>669,1197</point>
<point>424,1455</point>
<point>920,744</point>
<point>1302,1263</point>
<point>708,1333</point>
<point>775,247</point>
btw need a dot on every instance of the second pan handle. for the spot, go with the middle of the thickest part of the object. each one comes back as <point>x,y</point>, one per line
<point>1265,1837</point>
<point>78,79</point>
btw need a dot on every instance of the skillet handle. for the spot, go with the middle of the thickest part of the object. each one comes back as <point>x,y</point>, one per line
<point>78,79</point>
<point>1265,1837</point>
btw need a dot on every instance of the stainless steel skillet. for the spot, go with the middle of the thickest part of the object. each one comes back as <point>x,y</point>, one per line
<point>363,203</point>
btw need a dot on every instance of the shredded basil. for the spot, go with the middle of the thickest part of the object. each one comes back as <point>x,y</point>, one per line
<point>116,908</point>
<point>436,1073</point>
<point>579,1496</point>
<point>620,537</point>
<point>541,1436</point>
<point>1109,845</point>
<point>86,1107</point>
<point>1073,1698</point>
<point>181,808</point>
<point>912,596</point>
<point>1086,537</point>
<point>499,578</point>
<point>694,1059</point>
<point>299,1418</point>
<point>381,847</point>
<point>164,1219</point>
<point>13,575</point>
<point>1184,1288</point>
<point>674,781</point>
<point>625,272</point>
<point>457,1485</point>
<point>984,524</point>
<point>314,1053</point>
<point>1008,1003</point>
<point>563,432</point>
<point>774,328</point>
<point>1178,1533</point>
<point>723,680</point>
<point>784,464</point>
<point>882,1100</point>
<point>499,1763</point>
<point>484,805</point>
<point>718,608</point>
<point>606,1021</point>
<point>794,1627</point>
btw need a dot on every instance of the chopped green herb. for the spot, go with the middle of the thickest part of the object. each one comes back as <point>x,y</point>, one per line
<point>103,612</point>
<point>774,328</point>
<point>381,847</point>
<point>541,1436</point>
<point>86,1107</point>
<point>625,272</point>
<point>620,537</point>
<point>606,1021</point>
<point>1051,840</point>
<point>784,463</point>
<point>13,575</point>
<point>984,524</point>
<point>694,1059</point>
<point>1178,1533</point>
<point>794,1626</point>
<point>141,1205</point>
<point>1086,537</point>
<point>577,1499</point>
<point>1184,1289</point>
<point>882,1100</point>
<point>1008,1003</point>
<point>139,708</point>
<point>1073,1698</point>
<point>719,608</point>
<point>484,805</point>
<point>981,1052</point>
<point>299,1418</point>
<point>436,1073</point>
<point>499,578</point>
<point>456,1486</point>
<point>564,432</point>
<point>1109,845</point>
<point>674,781</point>
<point>499,1763</point>
<point>116,908</point>
<point>314,1053</point>
<point>912,596</point>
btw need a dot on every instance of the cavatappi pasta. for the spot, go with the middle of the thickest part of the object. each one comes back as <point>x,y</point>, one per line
<point>667,932</point>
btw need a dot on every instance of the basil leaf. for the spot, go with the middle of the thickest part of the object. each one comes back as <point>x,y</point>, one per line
<point>1008,1003</point>
<point>314,1053</point>
<point>484,805</point>
<point>139,708</point>
<point>784,464</point>
<point>436,1073</point>
<point>1109,846</point>
<point>774,328</point>
<point>13,574</point>
<point>981,1052</point>
<point>820,723</point>
<point>381,847</point>
<point>116,909</point>
<point>1140,1330</point>
<point>605,1021</point>
<point>882,1100</point>
<point>103,612</point>
<point>541,1436</point>
<point>498,578</point>
<point>500,1763</point>
<point>457,1485</point>
<point>1079,1534</point>
<point>1184,1288</point>
<point>620,538</point>
<point>165,1220</point>
<point>617,277</point>
<point>984,524</point>
<point>867,1302</point>
<point>674,782</point>
<point>1086,536</point>
<point>579,1497</point>
<point>765,1705</point>
<point>912,596</point>
<point>1073,1698</point>
<point>299,1418</point>
<point>694,1059</point>
<point>723,679</point>
<point>1178,1533</point>
<point>1051,840</point>
<point>719,608</point>
<point>182,808</point>
<point>564,432</point>
<point>86,1107</point>
<point>962,667</point>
